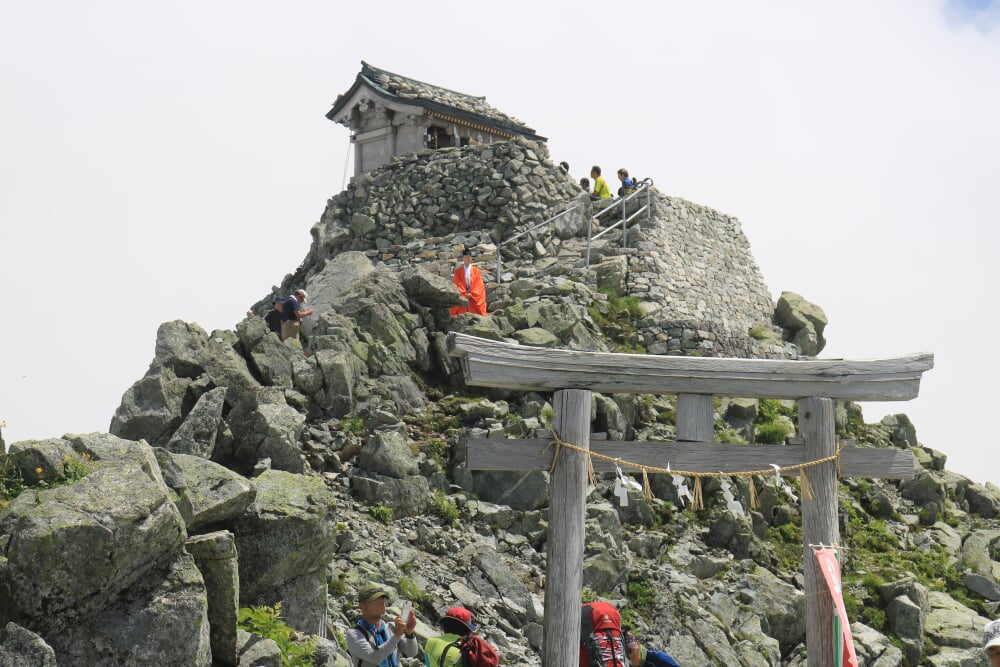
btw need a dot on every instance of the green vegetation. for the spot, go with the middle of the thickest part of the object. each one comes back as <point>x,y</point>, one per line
<point>353,425</point>
<point>771,434</point>
<point>74,468</point>
<point>444,508</point>
<point>616,318</point>
<point>641,596</point>
<point>381,513</point>
<point>266,622</point>
<point>757,333</point>
<point>437,450</point>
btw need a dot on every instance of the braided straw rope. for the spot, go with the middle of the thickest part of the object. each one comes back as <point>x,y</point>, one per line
<point>697,502</point>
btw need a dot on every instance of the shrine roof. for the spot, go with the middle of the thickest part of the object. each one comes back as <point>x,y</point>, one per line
<point>395,87</point>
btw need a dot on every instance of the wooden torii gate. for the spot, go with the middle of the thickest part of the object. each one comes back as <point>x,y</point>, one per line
<point>572,376</point>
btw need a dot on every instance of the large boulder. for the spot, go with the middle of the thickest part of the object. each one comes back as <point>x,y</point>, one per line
<point>802,321</point>
<point>20,647</point>
<point>161,619</point>
<point>265,426</point>
<point>206,492</point>
<point>287,532</point>
<point>151,409</point>
<point>197,433</point>
<point>428,289</point>
<point>65,552</point>
<point>387,453</point>
<point>215,556</point>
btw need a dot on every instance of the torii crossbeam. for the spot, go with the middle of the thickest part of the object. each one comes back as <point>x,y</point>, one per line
<point>574,375</point>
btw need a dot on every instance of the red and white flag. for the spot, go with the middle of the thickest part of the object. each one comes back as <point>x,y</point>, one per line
<point>844,655</point>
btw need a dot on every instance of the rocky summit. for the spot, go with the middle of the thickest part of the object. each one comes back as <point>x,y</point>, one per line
<point>242,471</point>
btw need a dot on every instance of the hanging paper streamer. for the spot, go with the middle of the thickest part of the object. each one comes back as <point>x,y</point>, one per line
<point>622,485</point>
<point>680,483</point>
<point>781,485</point>
<point>732,504</point>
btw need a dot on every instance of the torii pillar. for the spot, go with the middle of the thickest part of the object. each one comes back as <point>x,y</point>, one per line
<point>573,375</point>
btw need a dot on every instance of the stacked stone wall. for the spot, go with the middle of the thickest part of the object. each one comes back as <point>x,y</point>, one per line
<point>690,265</point>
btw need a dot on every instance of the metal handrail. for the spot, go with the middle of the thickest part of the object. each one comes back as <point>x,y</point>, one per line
<point>645,185</point>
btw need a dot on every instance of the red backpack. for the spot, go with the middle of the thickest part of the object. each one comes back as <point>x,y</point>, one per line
<point>475,652</point>
<point>601,641</point>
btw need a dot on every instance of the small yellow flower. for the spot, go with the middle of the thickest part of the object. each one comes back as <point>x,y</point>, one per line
<point>38,470</point>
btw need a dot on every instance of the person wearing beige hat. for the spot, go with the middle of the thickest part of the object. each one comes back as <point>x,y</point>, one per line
<point>991,642</point>
<point>292,312</point>
<point>374,643</point>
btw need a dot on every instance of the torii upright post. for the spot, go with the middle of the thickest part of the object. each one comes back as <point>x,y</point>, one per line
<point>573,375</point>
<point>567,512</point>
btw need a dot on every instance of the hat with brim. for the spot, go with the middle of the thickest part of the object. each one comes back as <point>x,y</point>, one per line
<point>457,620</point>
<point>372,592</point>
<point>991,635</point>
<point>467,250</point>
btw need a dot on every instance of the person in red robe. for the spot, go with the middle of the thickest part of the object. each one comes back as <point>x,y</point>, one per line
<point>469,281</point>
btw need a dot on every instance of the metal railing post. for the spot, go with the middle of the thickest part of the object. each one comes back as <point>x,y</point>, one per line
<point>624,224</point>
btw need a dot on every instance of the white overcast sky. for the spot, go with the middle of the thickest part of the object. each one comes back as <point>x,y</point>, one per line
<point>164,161</point>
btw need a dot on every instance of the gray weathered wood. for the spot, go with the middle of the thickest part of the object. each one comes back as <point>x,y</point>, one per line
<point>505,365</point>
<point>695,418</point>
<point>819,526</point>
<point>567,511</point>
<point>531,454</point>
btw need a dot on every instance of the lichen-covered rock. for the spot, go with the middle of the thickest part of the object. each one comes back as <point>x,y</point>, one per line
<point>151,409</point>
<point>161,619</point>
<point>206,492</point>
<point>215,556</point>
<point>197,433</point>
<point>20,647</point>
<point>804,322</point>
<point>287,532</point>
<point>65,552</point>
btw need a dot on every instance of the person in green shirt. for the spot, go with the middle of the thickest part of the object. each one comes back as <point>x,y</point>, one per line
<point>443,651</point>
<point>601,190</point>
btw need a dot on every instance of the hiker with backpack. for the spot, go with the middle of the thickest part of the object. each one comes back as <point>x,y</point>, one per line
<point>459,645</point>
<point>640,656</point>
<point>374,643</point>
<point>601,641</point>
<point>628,183</point>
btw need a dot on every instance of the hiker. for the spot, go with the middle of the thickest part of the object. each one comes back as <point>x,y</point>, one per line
<point>601,190</point>
<point>601,640</point>
<point>459,645</point>
<point>991,642</point>
<point>469,281</point>
<point>292,312</point>
<point>585,184</point>
<point>640,656</point>
<point>372,641</point>
<point>628,184</point>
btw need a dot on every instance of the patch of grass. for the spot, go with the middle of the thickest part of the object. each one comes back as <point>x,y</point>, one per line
<point>757,333</point>
<point>773,433</point>
<point>438,450</point>
<point>444,508</point>
<point>266,622</point>
<point>353,425</point>
<point>381,513</point>
<point>11,481</point>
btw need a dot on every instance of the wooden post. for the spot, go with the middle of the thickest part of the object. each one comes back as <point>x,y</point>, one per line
<point>567,511</point>
<point>819,525</point>
<point>695,419</point>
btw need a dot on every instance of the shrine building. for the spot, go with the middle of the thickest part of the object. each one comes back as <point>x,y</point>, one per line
<point>391,115</point>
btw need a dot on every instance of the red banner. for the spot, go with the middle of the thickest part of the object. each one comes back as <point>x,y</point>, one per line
<point>843,641</point>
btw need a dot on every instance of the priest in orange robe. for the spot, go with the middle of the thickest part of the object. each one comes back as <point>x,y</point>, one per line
<point>469,281</point>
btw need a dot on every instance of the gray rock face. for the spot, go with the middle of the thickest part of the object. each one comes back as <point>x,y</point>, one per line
<point>388,454</point>
<point>288,531</point>
<point>22,648</point>
<point>215,556</point>
<point>804,322</point>
<point>265,426</point>
<point>161,619</point>
<point>197,433</point>
<point>207,493</point>
<point>77,546</point>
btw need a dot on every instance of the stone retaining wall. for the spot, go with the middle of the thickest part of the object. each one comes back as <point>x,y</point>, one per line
<point>690,265</point>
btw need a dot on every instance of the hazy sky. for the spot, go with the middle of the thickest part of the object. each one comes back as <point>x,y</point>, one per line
<point>166,161</point>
